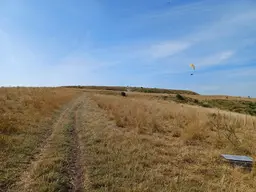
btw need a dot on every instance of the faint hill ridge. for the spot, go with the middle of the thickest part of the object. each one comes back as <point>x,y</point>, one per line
<point>137,89</point>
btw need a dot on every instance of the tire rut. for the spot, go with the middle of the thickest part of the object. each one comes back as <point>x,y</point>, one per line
<point>76,168</point>
<point>26,178</point>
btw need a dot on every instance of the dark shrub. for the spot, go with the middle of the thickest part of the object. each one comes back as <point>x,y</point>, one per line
<point>123,94</point>
<point>179,97</point>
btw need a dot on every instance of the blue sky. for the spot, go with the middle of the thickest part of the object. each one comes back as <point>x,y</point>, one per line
<point>130,42</point>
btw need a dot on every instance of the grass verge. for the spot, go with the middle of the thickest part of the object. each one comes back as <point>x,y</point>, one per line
<point>145,145</point>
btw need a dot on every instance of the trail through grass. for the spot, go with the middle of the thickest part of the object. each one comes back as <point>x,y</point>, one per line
<point>26,119</point>
<point>54,169</point>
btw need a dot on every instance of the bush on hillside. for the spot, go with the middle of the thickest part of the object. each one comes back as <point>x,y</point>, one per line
<point>206,104</point>
<point>180,97</point>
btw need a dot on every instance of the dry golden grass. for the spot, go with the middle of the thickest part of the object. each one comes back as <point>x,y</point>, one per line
<point>234,104</point>
<point>21,107</point>
<point>154,95</point>
<point>105,142</point>
<point>26,115</point>
<point>163,146</point>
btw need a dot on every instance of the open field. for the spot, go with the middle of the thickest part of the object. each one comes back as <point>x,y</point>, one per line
<point>163,146</point>
<point>65,139</point>
<point>242,105</point>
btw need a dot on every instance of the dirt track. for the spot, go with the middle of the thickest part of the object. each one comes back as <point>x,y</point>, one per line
<point>29,179</point>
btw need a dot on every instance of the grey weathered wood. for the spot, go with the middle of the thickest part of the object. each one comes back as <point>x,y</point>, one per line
<point>239,160</point>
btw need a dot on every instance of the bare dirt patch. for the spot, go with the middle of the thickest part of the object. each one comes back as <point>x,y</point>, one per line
<point>75,158</point>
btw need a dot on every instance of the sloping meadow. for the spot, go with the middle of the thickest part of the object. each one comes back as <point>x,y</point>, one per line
<point>183,144</point>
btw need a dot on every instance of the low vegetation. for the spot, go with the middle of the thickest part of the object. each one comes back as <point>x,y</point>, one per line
<point>136,89</point>
<point>245,107</point>
<point>239,106</point>
<point>26,115</point>
<point>163,146</point>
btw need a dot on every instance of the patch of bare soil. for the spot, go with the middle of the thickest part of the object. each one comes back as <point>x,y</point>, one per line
<point>76,169</point>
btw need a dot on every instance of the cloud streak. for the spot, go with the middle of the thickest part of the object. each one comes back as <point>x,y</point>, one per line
<point>216,59</point>
<point>166,49</point>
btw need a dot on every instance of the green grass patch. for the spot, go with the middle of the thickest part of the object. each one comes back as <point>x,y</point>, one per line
<point>244,107</point>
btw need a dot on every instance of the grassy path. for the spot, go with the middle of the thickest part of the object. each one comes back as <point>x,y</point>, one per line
<point>55,167</point>
<point>27,118</point>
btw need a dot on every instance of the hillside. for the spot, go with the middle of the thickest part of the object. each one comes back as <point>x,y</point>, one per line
<point>242,105</point>
<point>69,139</point>
<point>245,106</point>
<point>136,89</point>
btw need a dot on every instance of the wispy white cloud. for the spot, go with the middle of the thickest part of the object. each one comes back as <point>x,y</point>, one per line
<point>166,49</point>
<point>219,41</point>
<point>215,59</point>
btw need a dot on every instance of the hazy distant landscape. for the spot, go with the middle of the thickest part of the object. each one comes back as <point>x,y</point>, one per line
<point>94,139</point>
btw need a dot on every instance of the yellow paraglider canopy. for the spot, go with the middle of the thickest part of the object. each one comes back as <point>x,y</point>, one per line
<point>193,66</point>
